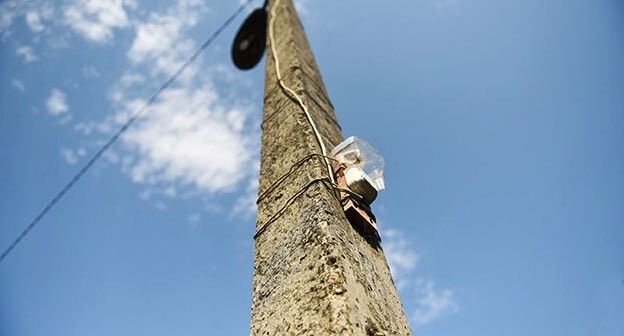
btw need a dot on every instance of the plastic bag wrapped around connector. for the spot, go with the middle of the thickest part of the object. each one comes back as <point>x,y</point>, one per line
<point>355,152</point>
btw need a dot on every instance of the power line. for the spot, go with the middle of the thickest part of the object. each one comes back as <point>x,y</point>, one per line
<point>122,130</point>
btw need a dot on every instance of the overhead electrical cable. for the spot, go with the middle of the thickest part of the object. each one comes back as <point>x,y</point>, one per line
<point>123,129</point>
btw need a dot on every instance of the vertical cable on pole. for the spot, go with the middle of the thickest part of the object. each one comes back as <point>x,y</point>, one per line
<point>317,135</point>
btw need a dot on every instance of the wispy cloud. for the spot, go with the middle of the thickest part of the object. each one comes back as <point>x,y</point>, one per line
<point>192,139</point>
<point>56,103</point>
<point>18,84</point>
<point>36,16</point>
<point>161,39</point>
<point>433,303</point>
<point>302,7</point>
<point>402,259</point>
<point>27,53</point>
<point>90,72</point>
<point>7,14</point>
<point>194,219</point>
<point>444,4</point>
<point>203,146</point>
<point>420,295</point>
<point>72,156</point>
<point>33,20</point>
<point>95,20</point>
<point>246,204</point>
<point>196,138</point>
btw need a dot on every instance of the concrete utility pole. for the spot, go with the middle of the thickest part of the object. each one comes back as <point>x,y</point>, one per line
<point>314,273</point>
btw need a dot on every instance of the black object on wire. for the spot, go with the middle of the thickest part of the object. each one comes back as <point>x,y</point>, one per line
<point>122,130</point>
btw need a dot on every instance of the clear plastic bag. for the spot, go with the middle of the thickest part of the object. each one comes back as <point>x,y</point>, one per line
<point>355,152</point>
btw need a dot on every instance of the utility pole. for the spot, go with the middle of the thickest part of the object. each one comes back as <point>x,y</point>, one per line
<point>314,273</point>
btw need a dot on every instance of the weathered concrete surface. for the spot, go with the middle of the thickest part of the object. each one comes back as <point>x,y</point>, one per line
<point>314,273</point>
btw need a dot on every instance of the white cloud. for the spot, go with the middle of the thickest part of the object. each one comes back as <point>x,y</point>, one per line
<point>7,14</point>
<point>193,219</point>
<point>34,21</point>
<point>87,127</point>
<point>427,302</point>
<point>188,138</point>
<point>433,303</point>
<point>96,19</point>
<point>71,156</point>
<point>161,41</point>
<point>56,103</point>
<point>18,84</point>
<point>26,53</point>
<point>90,72</point>
<point>444,4</point>
<point>246,204</point>
<point>34,15</point>
<point>193,140</point>
<point>302,7</point>
<point>401,257</point>
<point>129,79</point>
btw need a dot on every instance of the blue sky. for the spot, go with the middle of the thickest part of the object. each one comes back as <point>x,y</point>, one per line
<point>501,122</point>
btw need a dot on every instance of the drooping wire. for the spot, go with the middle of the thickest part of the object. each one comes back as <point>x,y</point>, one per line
<point>326,181</point>
<point>123,129</point>
<point>291,171</point>
<point>278,73</point>
<point>289,202</point>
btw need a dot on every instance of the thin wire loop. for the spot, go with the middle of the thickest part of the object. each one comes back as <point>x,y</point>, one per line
<point>290,201</point>
<point>328,183</point>
<point>348,191</point>
<point>291,171</point>
<point>123,129</point>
